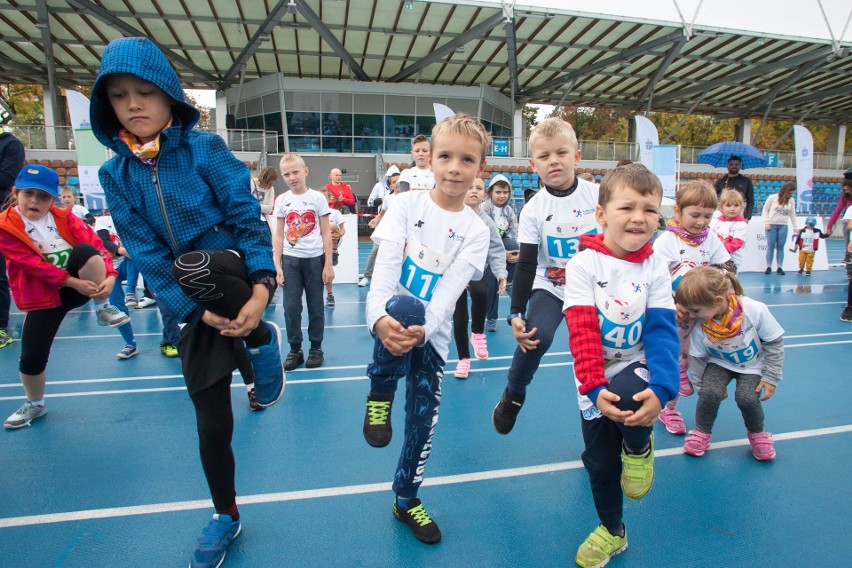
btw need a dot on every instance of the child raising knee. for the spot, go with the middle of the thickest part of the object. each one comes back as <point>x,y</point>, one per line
<point>688,242</point>
<point>736,339</point>
<point>432,245</point>
<point>55,263</point>
<point>182,205</point>
<point>620,299</point>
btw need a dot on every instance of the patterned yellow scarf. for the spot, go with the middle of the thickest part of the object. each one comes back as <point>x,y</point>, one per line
<point>146,152</point>
<point>729,324</point>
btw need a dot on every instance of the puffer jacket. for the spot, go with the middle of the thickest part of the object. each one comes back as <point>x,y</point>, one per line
<point>196,197</point>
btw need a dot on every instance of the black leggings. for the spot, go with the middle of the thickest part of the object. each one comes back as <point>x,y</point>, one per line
<point>215,422</point>
<point>478,290</point>
<point>40,326</point>
<point>217,280</point>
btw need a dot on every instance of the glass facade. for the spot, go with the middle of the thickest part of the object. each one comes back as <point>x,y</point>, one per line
<point>329,122</point>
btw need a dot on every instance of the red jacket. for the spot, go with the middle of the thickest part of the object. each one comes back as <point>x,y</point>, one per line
<point>337,191</point>
<point>34,281</point>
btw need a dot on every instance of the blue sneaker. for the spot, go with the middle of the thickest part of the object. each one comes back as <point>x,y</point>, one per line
<point>214,541</point>
<point>269,376</point>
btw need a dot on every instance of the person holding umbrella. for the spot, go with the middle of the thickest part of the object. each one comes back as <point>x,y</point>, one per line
<point>735,180</point>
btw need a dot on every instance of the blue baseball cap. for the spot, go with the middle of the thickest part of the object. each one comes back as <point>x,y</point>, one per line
<point>810,221</point>
<point>38,177</point>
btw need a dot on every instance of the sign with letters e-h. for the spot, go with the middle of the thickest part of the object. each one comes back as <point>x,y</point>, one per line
<point>501,147</point>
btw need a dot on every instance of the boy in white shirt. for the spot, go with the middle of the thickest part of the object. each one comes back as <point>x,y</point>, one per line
<point>69,199</point>
<point>302,254</point>
<point>548,232</point>
<point>432,245</point>
<point>621,327</point>
<point>420,176</point>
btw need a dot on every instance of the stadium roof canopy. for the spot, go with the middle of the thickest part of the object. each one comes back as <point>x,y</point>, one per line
<point>537,55</point>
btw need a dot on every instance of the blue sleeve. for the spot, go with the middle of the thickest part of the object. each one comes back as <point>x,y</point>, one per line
<point>661,352</point>
<point>229,179</point>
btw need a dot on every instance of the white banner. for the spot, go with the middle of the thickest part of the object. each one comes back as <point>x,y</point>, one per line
<point>646,137</point>
<point>754,250</point>
<point>804,169</point>
<point>346,271</point>
<point>90,153</point>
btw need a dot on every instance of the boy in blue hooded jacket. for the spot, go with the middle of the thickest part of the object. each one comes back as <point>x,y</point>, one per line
<point>183,208</point>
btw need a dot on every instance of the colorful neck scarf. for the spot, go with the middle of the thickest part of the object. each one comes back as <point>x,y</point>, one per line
<point>146,152</point>
<point>686,236</point>
<point>729,324</point>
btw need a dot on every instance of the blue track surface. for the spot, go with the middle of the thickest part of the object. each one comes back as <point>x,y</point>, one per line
<point>111,476</point>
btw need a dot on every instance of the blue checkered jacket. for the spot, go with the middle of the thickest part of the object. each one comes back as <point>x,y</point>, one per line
<point>196,197</point>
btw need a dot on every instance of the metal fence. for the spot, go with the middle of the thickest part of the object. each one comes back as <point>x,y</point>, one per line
<point>41,137</point>
<point>62,138</point>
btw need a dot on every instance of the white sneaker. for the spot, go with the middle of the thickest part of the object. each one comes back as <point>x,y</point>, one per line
<point>364,282</point>
<point>144,302</point>
<point>112,316</point>
<point>24,415</point>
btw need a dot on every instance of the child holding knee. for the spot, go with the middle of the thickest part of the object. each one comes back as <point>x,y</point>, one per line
<point>55,263</point>
<point>621,329</point>
<point>735,339</point>
<point>688,242</point>
<point>182,205</point>
<point>432,245</point>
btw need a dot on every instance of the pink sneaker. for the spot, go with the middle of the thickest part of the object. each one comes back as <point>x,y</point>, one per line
<point>762,446</point>
<point>673,421</point>
<point>685,386</point>
<point>462,369</point>
<point>480,345</point>
<point>696,443</point>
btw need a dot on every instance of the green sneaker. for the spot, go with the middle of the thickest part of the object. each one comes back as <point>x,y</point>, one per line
<point>637,472</point>
<point>599,547</point>
<point>5,337</point>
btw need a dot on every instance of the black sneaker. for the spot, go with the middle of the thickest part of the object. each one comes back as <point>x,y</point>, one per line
<point>416,517</point>
<point>505,413</point>
<point>293,360</point>
<point>780,271</point>
<point>808,273</point>
<point>377,420</point>
<point>847,314</point>
<point>802,270</point>
<point>315,359</point>
<point>253,404</point>
<point>334,257</point>
<point>768,270</point>
<point>329,301</point>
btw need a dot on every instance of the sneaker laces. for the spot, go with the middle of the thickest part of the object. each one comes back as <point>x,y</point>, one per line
<point>420,516</point>
<point>378,411</point>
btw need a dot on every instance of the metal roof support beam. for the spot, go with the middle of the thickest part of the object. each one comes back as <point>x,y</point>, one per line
<point>800,121</point>
<point>815,96</point>
<point>786,83</point>
<point>331,40</point>
<point>622,56</point>
<point>511,54</point>
<point>682,120</point>
<point>673,52</point>
<point>762,120</point>
<point>129,31</point>
<point>261,35</point>
<point>52,117</point>
<point>473,33</point>
<point>737,78</point>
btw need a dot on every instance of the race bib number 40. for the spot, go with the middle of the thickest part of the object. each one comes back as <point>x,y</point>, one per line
<point>621,324</point>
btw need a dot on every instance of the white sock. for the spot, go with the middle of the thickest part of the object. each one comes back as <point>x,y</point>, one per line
<point>101,305</point>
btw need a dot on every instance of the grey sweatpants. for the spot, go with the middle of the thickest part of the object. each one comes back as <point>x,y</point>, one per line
<point>713,390</point>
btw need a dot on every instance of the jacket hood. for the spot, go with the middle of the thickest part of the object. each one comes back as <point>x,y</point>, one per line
<point>495,179</point>
<point>140,57</point>
<point>393,170</point>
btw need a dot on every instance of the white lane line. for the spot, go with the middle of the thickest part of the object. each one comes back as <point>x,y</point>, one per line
<point>340,491</point>
<point>341,379</point>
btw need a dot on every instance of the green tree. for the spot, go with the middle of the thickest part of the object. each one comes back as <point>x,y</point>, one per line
<point>24,101</point>
<point>530,116</point>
